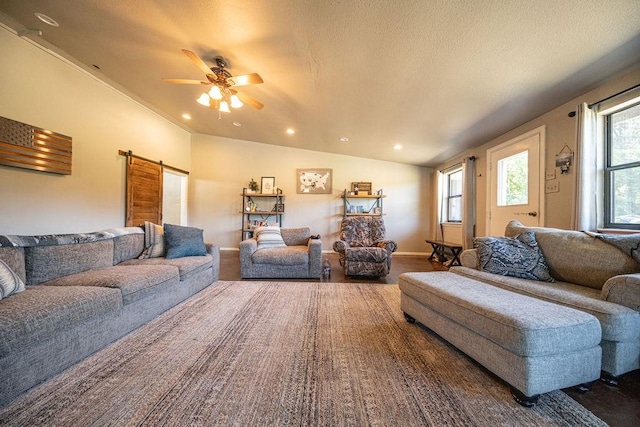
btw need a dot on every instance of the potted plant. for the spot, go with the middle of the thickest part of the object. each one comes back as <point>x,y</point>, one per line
<point>253,186</point>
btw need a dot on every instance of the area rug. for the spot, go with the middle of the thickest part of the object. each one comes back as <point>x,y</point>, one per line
<point>280,354</point>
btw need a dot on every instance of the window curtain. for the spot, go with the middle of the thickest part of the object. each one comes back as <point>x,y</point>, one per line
<point>468,201</point>
<point>585,209</point>
<point>440,204</point>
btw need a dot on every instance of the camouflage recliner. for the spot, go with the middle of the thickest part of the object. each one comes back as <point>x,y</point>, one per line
<point>362,247</point>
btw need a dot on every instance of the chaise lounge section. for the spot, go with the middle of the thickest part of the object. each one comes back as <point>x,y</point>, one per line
<point>83,292</point>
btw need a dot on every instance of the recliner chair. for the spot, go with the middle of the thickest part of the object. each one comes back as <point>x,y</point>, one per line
<point>363,249</point>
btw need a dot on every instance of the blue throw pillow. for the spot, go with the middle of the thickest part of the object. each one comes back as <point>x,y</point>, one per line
<point>183,241</point>
<point>519,256</point>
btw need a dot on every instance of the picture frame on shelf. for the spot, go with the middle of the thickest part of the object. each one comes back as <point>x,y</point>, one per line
<point>314,181</point>
<point>268,185</point>
<point>279,208</point>
<point>361,188</point>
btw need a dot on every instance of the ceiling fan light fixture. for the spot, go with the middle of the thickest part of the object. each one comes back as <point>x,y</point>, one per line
<point>224,107</point>
<point>215,93</point>
<point>204,100</point>
<point>235,102</point>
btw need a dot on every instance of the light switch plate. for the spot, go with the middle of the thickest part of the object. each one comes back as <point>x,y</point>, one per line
<point>552,186</point>
<point>551,174</point>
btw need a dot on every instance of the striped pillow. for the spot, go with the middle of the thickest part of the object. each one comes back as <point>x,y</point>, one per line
<point>269,237</point>
<point>153,241</point>
<point>10,283</point>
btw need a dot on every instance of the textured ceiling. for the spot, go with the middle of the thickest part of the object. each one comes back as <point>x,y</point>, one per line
<point>436,76</point>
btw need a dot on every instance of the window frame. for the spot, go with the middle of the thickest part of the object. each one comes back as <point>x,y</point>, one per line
<point>609,170</point>
<point>447,196</point>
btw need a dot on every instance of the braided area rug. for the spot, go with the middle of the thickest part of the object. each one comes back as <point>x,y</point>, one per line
<point>284,353</point>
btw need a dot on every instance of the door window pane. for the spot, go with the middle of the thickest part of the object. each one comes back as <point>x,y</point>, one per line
<point>513,180</point>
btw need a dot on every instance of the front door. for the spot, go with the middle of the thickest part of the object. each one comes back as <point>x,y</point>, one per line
<point>514,182</point>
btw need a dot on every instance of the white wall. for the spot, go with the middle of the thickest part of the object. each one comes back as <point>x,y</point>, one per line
<point>560,130</point>
<point>42,90</point>
<point>221,167</point>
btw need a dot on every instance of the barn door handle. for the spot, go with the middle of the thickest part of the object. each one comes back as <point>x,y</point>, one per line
<point>533,214</point>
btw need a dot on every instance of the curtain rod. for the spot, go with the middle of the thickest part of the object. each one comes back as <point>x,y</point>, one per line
<point>130,154</point>
<point>622,92</point>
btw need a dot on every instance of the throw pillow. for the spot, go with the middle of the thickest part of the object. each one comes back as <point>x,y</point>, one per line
<point>269,237</point>
<point>153,241</point>
<point>184,241</point>
<point>10,283</point>
<point>519,256</point>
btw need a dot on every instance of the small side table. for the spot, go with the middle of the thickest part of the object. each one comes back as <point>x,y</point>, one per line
<point>438,249</point>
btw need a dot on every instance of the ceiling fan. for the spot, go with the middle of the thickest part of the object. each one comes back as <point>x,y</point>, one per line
<point>222,94</point>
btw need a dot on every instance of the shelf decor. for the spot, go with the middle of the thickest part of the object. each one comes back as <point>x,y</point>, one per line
<point>268,185</point>
<point>314,181</point>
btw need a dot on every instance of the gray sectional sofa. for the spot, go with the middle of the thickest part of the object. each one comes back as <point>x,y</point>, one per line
<point>83,292</point>
<point>591,275</point>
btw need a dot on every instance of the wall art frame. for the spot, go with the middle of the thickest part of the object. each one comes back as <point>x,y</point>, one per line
<point>268,185</point>
<point>314,181</point>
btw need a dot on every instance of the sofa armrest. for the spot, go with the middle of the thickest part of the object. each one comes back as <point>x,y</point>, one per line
<point>390,245</point>
<point>213,249</point>
<point>340,246</point>
<point>469,258</point>
<point>623,290</point>
<point>315,257</point>
<point>247,248</point>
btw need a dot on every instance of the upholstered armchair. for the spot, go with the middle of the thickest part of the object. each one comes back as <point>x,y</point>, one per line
<point>362,246</point>
<point>276,252</point>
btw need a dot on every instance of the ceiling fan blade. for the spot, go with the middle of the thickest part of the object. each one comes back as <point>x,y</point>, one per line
<point>199,62</point>
<point>185,82</point>
<point>245,79</point>
<point>249,100</point>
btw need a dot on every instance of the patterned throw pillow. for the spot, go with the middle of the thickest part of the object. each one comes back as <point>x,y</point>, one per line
<point>153,241</point>
<point>10,283</point>
<point>184,241</point>
<point>519,256</point>
<point>269,237</point>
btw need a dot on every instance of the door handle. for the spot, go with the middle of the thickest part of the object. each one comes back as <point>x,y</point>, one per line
<point>532,213</point>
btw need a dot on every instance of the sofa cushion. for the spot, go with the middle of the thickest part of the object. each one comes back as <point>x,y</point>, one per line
<point>519,256</point>
<point>14,258</point>
<point>187,266</point>
<point>618,323</point>
<point>183,241</point>
<point>134,281</point>
<point>40,312</point>
<point>44,263</point>
<point>128,244</point>
<point>576,257</point>
<point>153,241</point>
<point>10,283</point>
<point>290,255</point>
<point>372,254</point>
<point>269,237</point>
<point>296,236</point>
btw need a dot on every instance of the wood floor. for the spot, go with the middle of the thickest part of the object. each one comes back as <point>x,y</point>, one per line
<point>617,406</point>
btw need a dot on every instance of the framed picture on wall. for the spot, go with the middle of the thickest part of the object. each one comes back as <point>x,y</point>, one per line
<point>314,181</point>
<point>268,185</point>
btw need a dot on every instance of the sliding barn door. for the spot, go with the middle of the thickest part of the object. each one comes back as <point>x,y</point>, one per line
<point>144,192</point>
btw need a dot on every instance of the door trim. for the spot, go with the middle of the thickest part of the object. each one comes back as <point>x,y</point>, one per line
<point>541,131</point>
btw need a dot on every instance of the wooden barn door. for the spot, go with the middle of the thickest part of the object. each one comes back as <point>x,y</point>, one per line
<point>144,192</point>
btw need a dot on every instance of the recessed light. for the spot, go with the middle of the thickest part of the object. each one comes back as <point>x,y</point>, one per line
<point>290,131</point>
<point>186,116</point>
<point>47,19</point>
<point>237,124</point>
<point>344,139</point>
<point>397,147</point>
